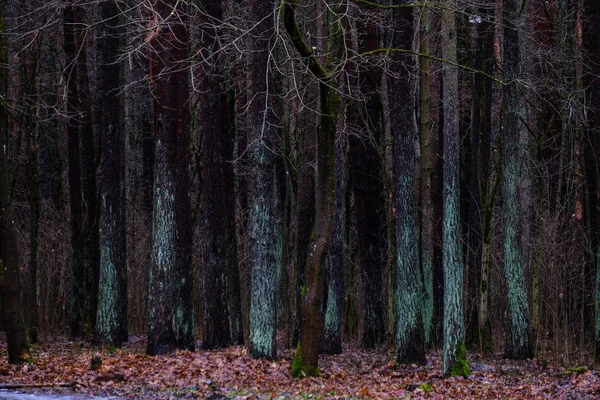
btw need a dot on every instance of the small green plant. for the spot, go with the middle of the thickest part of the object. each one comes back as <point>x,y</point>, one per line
<point>426,387</point>
<point>581,369</point>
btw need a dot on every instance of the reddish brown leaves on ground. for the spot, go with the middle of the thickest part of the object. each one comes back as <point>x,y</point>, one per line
<point>232,373</point>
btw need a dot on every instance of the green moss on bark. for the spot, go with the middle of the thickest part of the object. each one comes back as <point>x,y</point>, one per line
<point>461,366</point>
<point>299,368</point>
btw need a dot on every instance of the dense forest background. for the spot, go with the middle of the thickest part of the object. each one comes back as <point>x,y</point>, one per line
<point>287,173</point>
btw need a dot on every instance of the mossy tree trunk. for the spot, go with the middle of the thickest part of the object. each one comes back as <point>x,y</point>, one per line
<point>262,191</point>
<point>307,353</point>
<point>77,284</point>
<point>10,284</point>
<point>519,340</point>
<point>222,324</point>
<point>91,233</point>
<point>170,302</point>
<point>408,289</point>
<point>111,321</point>
<point>454,330</point>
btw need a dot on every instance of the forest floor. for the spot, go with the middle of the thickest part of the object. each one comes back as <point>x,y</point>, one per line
<point>233,374</point>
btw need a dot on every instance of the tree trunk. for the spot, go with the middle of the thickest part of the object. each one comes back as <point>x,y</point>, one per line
<point>77,297</point>
<point>367,169</point>
<point>454,331</point>
<point>408,290</point>
<point>307,353</point>
<point>426,216</point>
<point>263,252</point>
<point>91,244</point>
<point>591,44</point>
<point>332,336</point>
<point>170,302</point>
<point>221,303</point>
<point>10,284</point>
<point>111,322</point>
<point>518,342</point>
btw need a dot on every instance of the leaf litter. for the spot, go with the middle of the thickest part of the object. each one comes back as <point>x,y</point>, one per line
<point>232,374</point>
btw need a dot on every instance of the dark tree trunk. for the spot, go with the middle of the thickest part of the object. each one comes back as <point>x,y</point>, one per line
<point>478,168</point>
<point>77,298</point>
<point>10,284</point>
<point>221,288</point>
<point>170,302</point>
<point>519,340</point>
<point>305,210</point>
<point>408,290</point>
<point>591,44</point>
<point>262,192</point>
<point>454,331</point>
<point>111,322</point>
<point>425,137</point>
<point>91,245</point>
<point>332,335</point>
<point>366,167</point>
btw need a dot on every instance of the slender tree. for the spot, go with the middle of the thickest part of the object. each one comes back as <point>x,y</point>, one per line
<point>408,290</point>
<point>221,303</point>
<point>306,358</point>
<point>111,322</point>
<point>519,340</point>
<point>263,252</point>
<point>454,330</point>
<point>170,303</point>
<point>10,283</point>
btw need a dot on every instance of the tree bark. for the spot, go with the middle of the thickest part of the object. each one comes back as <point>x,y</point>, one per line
<point>77,296</point>
<point>221,303</point>
<point>454,330</point>
<point>91,233</point>
<point>10,283</point>
<point>519,340</point>
<point>262,191</point>
<point>170,302</point>
<point>307,353</point>
<point>408,290</point>
<point>111,322</point>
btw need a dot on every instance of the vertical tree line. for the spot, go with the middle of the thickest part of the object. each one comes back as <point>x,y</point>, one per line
<point>264,167</point>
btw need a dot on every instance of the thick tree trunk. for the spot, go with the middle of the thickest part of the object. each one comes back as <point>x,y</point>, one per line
<point>408,289</point>
<point>111,322</point>
<point>91,245</point>
<point>10,284</point>
<point>221,303</point>
<point>77,296</point>
<point>454,331</point>
<point>170,302</point>
<point>519,341</point>
<point>367,169</point>
<point>426,216</point>
<point>332,336</point>
<point>481,114</point>
<point>263,252</point>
